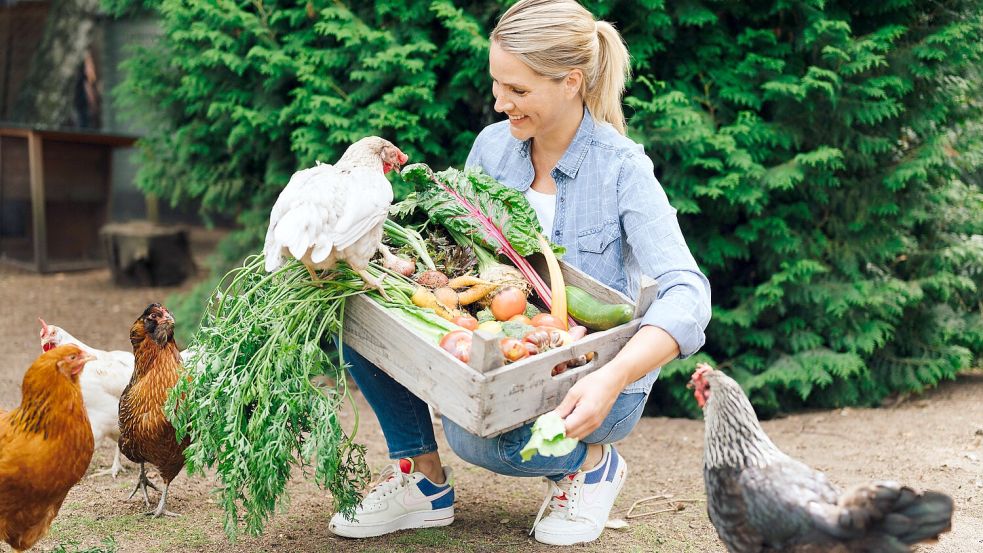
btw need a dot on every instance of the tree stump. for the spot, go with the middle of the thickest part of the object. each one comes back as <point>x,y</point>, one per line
<point>144,254</point>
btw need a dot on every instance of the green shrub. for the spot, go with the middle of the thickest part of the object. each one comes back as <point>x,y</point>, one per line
<point>816,151</point>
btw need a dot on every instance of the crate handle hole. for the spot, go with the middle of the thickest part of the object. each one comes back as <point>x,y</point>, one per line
<point>576,365</point>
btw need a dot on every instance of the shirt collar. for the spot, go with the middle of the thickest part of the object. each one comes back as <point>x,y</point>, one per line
<point>569,164</point>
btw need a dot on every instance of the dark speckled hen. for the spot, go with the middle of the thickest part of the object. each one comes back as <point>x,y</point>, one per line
<point>146,436</point>
<point>760,500</point>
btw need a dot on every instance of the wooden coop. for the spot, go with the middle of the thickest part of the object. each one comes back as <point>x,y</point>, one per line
<point>54,196</point>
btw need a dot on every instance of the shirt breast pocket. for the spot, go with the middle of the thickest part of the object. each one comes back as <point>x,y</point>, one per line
<point>599,249</point>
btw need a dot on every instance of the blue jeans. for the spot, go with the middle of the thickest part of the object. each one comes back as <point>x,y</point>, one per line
<point>406,424</point>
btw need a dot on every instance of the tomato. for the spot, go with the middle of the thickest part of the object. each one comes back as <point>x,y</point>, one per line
<point>521,319</point>
<point>466,321</point>
<point>458,344</point>
<point>508,303</point>
<point>545,319</point>
<point>513,350</point>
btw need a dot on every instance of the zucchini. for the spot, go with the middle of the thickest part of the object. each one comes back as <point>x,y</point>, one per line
<point>594,314</point>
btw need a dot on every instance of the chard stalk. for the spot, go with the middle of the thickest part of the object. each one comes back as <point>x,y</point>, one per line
<point>504,247</point>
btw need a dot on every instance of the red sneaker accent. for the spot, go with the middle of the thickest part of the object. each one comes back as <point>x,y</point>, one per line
<point>405,466</point>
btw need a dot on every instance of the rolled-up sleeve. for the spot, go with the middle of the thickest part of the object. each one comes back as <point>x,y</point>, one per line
<point>682,306</point>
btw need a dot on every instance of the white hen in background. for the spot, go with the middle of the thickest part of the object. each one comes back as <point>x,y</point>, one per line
<point>102,383</point>
<point>331,213</point>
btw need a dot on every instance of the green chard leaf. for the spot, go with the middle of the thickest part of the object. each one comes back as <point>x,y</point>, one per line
<point>548,438</point>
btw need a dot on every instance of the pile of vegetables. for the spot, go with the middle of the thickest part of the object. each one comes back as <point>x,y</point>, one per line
<point>494,220</point>
<point>249,401</point>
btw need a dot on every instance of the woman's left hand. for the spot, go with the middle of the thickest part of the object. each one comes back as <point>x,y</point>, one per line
<point>588,402</point>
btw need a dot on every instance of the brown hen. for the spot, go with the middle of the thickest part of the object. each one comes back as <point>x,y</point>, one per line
<point>45,446</point>
<point>146,436</point>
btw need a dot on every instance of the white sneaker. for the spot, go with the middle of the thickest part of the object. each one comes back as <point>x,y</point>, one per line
<point>581,502</point>
<point>401,499</point>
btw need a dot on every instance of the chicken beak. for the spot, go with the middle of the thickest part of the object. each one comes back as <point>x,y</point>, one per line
<point>80,363</point>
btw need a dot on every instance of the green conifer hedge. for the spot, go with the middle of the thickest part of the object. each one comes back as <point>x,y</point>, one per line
<point>819,154</point>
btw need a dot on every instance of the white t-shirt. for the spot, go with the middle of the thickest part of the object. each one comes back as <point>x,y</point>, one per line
<point>545,207</point>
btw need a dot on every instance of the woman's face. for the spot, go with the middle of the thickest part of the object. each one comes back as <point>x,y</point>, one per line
<point>533,103</point>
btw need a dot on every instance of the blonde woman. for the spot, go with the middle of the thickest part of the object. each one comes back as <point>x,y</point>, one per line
<point>558,75</point>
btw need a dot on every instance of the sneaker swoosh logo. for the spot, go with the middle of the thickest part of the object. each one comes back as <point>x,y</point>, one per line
<point>418,502</point>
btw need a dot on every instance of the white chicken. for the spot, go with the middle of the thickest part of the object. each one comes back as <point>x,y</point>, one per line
<point>102,382</point>
<point>331,213</point>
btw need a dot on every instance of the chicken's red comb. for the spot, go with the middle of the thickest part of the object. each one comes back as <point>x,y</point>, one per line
<point>701,370</point>
<point>44,327</point>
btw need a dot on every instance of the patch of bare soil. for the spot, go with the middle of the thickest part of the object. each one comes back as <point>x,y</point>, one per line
<point>932,441</point>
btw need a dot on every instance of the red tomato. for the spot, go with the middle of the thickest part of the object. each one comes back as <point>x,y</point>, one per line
<point>458,344</point>
<point>545,319</point>
<point>513,350</point>
<point>466,321</point>
<point>508,303</point>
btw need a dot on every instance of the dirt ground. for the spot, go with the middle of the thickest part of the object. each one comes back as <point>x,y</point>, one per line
<point>931,441</point>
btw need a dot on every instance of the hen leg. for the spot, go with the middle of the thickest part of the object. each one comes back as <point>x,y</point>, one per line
<point>314,277</point>
<point>372,282</point>
<point>162,506</point>
<point>113,470</point>
<point>142,483</point>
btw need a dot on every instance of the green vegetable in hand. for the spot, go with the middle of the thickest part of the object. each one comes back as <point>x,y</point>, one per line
<point>548,438</point>
<point>594,314</point>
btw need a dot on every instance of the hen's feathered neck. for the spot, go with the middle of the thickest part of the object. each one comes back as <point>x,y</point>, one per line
<point>149,355</point>
<point>734,437</point>
<point>359,155</point>
<point>50,407</point>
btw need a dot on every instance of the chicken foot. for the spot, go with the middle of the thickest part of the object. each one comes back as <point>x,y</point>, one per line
<point>143,483</point>
<point>113,470</point>
<point>161,509</point>
<point>372,282</point>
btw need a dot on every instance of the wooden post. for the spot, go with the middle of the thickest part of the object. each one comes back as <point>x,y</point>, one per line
<point>35,156</point>
<point>485,353</point>
<point>152,206</point>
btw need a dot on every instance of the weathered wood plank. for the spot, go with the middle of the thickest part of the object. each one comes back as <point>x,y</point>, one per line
<point>35,155</point>
<point>485,353</point>
<point>412,360</point>
<point>520,392</point>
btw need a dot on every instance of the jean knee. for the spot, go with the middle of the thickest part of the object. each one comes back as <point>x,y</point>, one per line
<point>469,447</point>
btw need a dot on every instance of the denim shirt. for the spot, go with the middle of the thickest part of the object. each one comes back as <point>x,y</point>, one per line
<point>615,222</point>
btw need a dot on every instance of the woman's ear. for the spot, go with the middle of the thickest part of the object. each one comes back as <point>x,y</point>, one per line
<point>573,83</point>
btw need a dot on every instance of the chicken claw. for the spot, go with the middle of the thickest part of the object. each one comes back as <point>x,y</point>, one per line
<point>142,483</point>
<point>113,470</point>
<point>372,282</point>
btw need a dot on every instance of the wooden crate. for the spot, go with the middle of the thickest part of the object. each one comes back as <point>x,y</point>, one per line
<point>486,397</point>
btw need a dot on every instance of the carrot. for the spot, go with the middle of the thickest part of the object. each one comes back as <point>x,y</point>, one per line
<point>559,306</point>
<point>465,281</point>
<point>447,297</point>
<point>422,297</point>
<point>476,293</point>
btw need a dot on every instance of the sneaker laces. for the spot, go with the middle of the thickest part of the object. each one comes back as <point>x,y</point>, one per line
<point>560,497</point>
<point>390,479</point>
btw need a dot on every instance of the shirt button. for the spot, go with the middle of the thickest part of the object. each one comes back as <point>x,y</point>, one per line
<point>561,199</point>
<point>557,234</point>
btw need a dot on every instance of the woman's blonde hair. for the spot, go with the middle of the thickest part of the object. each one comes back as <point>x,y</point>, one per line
<point>553,37</point>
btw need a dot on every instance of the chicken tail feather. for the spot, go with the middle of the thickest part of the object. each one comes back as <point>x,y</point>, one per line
<point>895,511</point>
